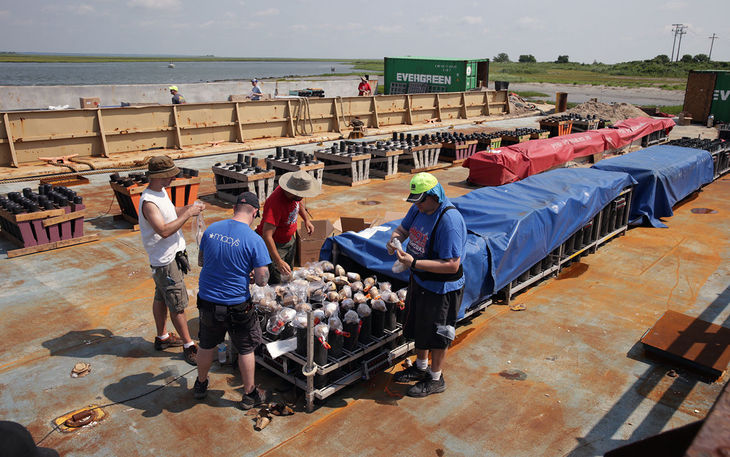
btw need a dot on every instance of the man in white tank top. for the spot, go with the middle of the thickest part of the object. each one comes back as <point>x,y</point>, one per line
<point>159,224</point>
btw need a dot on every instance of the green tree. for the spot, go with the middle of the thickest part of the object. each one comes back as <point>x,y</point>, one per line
<point>661,58</point>
<point>501,57</point>
<point>562,59</point>
<point>701,58</point>
<point>687,58</point>
<point>528,58</point>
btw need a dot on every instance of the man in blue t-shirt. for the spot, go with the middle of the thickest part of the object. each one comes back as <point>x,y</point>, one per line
<point>229,251</point>
<point>255,93</point>
<point>436,235</point>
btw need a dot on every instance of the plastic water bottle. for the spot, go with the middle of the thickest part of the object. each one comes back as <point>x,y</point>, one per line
<point>711,120</point>
<point>222,353</point>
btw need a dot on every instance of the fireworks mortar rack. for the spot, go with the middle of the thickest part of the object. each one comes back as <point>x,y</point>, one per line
<point>421,152</point>
<point>49,219</point>
<point>183,190</point>
<point>285,160</point>
<point>347,164</point>
<point>246,174</point>
<point>558,126</point>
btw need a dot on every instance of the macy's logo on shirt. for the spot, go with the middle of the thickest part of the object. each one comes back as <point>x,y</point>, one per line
<point>225,239</point>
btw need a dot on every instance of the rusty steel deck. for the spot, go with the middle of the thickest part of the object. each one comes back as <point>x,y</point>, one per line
<point>566,376</point>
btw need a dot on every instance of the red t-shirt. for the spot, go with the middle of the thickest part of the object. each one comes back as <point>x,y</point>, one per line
<point>363,87</point>
<point>281,212</point>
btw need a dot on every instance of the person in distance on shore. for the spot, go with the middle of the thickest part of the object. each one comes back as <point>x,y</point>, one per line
<point>177,98</point>
<point>255,93</point>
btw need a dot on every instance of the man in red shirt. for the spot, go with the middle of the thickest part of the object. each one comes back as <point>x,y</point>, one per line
<point>364,87</point>
<point>279,220</point>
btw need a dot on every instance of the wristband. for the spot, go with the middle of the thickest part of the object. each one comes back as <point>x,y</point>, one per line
<point>413,265</point>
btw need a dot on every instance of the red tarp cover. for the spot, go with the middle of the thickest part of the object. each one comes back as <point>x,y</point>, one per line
<point>512,163</point>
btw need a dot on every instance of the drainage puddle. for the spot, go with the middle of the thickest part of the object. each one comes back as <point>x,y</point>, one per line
<point>703,211</point>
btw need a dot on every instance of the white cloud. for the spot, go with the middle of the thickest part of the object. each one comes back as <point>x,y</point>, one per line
<point>299,28</point>
<point>526,20</point>
<point>675,5</point>
<point>388,28</point>
<point>155,4</point>
<point>83,9</point>
<point>267,12</point>
<point>4,13</point>
<point>472,19</point>
<point>430,19</point>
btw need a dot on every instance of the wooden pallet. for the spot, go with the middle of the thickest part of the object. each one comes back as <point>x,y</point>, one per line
<point>356,168</point>
<point>457,153</point>
<point>390,161</point>
<point>422,158</point>
<point>314,169</point>
<point>229,184</point>
<point>44,230</point>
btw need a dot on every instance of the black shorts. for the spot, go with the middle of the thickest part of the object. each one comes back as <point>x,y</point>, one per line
<point>426,311</point>
<point>239,321</point>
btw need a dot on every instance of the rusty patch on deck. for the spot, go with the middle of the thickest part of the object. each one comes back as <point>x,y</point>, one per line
<point>513,375</point>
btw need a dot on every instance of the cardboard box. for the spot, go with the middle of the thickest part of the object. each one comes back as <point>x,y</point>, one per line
<point>90,102</point>
<point>308,246</point>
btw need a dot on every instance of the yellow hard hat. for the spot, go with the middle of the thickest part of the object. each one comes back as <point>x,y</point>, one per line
<point>173,88</point>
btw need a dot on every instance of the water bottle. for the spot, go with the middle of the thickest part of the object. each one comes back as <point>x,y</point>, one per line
<point>222,353</point>
<point>711,120</point>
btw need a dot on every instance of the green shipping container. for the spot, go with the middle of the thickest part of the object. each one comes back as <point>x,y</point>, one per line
<point>721,97</point>
<point>708,92</point>
<point>408,75</point>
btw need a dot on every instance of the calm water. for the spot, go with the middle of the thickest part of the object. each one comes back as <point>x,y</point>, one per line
<point>45,74</point>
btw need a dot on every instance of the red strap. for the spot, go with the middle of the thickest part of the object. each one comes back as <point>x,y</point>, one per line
<point>324,343</point>
<point>359,326</point>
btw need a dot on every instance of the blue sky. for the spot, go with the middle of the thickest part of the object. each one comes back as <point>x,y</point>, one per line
<point>586,31</point>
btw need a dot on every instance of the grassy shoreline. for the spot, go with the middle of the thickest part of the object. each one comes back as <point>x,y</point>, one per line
<point>648,73</point>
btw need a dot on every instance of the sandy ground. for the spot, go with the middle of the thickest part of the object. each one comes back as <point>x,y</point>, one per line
<point>580,93</point>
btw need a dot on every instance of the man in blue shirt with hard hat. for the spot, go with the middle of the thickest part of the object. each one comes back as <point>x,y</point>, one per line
<point>177,98</point>
<point>436,235</point>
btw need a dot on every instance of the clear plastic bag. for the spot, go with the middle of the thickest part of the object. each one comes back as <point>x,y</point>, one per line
<point>398,267</point>
<point>198,225</point>
<point>351,317</point>
<point>331,308</point>
<point>363,310</point>
<point>379,305</point>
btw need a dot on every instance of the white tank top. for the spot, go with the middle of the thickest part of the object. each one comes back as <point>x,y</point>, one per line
<point>161,251</point>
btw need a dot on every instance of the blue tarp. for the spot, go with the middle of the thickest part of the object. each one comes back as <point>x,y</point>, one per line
<point>665,175</point>
<point>510,227</point>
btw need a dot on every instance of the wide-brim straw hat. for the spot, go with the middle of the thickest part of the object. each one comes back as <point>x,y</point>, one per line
<point>300,183</point>
<point>162,167</point>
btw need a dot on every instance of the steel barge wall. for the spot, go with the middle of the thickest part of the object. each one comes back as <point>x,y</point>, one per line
<point>26,136</point>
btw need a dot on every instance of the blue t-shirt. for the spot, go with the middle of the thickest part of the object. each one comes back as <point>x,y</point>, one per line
<point>231,250</point>
<point>449,241</point>
<point>256,93</point>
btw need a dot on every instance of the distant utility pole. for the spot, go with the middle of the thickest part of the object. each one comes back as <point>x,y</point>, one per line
<point>712,41</point>
<point>682,31</point>
<point>675,29</point>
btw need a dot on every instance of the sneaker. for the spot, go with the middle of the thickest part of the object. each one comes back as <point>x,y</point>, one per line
<point>411,373</point>
<point>200,389</point>
<point>427,387</point>
<point>171,341</point>
<point>190,354</point>
<point>256,398</point>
